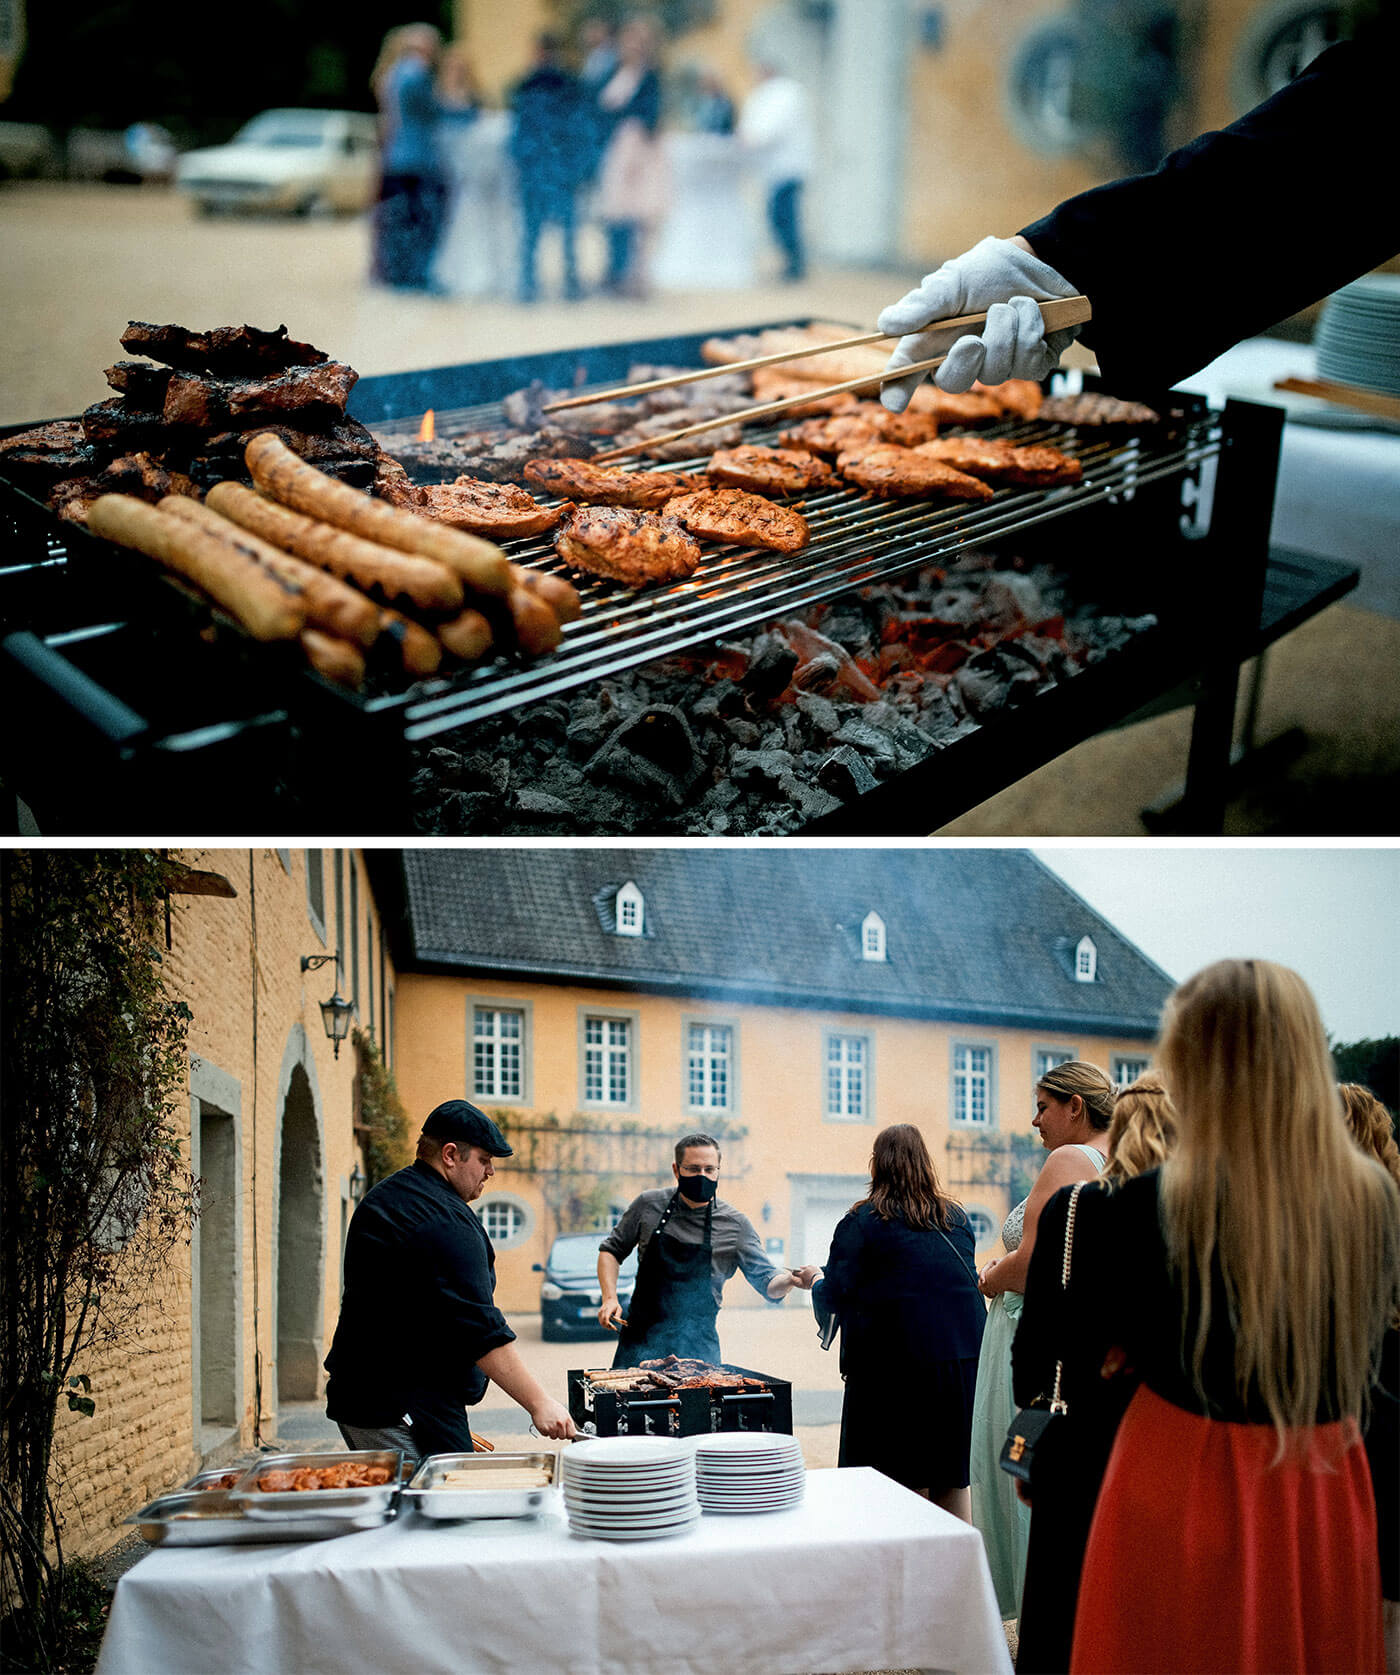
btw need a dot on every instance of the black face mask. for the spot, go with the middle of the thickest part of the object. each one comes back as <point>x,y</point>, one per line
<point>700,1189</point>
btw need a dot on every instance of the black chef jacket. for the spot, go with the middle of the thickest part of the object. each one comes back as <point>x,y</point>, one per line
<point>1242,227</point>
<point>416,1314</point>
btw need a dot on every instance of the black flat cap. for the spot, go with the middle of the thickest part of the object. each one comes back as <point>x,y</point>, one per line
<point>457,1120</point>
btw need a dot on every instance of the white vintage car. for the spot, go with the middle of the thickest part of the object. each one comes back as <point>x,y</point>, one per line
<point>299,162</point>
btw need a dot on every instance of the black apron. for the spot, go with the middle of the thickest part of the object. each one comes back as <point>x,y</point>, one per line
<point>673,1306</point>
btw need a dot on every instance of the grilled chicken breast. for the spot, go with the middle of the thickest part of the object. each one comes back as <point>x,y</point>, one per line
<point>831,436</point>
<point>996,460</point>
<point>605,485</point>
<point>770,470</point>
<point>499,510</point>
<point>740,519</point>
<point>906,474</point>
<point>627,545</point>
<point>1021,396</point>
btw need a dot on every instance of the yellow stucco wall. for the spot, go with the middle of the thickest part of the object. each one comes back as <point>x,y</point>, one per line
<point>779,1094</point>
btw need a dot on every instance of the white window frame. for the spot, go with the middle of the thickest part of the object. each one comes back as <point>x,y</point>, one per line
<point>1086,960</point>
<point>846,1065</point>
<point>729,1056</point>
<point>630,911</point>
<point>1117,1061</point>
<point>963,1080</point>
<point>522,1217</point>
<point>1045,1058</point>
<point>497,1004</point>
<point>872,937</point>
<point>610,1015</point>
<point>974,1213</point>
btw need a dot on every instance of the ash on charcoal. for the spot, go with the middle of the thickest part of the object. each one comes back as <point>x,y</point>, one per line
<point>734,739</point>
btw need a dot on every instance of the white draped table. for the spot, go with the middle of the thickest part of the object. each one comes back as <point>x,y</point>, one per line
<point>864,1575</point>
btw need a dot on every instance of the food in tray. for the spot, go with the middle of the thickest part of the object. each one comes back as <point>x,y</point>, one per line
<point>606,485</point>
<point>905,474</point>
<point>671,1372</point>
<point>1096,411</point>
<point>503,511</point>
<point>770,470</point>
<point>996,460</point>
<point>300,1479</point>
<point>737,518</point>
<point>626,545</point>
<point>493,1477</point>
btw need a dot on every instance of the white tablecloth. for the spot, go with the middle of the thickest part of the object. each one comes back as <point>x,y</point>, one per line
<point>864,1575</point>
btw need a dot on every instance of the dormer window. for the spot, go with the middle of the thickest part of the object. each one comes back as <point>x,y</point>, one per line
<point>1086,961</point>
<point>872,937</point>
<point>631,911</point>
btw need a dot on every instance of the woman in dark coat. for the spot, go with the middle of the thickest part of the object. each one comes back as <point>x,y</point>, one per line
<point>902,1280</point>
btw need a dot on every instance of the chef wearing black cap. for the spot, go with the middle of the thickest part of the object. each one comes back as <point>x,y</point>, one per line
<point>419,1335</point>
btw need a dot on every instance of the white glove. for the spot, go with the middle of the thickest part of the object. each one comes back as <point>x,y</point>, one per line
<point>996,277</point>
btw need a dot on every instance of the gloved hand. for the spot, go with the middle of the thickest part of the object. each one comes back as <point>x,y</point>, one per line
<point>996,277</point>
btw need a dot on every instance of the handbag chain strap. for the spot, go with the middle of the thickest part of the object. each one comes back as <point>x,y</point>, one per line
<point>1057,1403</point>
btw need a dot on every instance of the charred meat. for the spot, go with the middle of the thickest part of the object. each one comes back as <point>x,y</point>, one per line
<point>770,470</point>
<point>740,519</point>
<point>225,349</point>
<point>627,546</point>
<point>1094,410</point>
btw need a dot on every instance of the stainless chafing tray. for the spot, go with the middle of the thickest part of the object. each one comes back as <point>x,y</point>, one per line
<point>357,1508</point>
<point>207,1518</point>
<point>495,1490</point>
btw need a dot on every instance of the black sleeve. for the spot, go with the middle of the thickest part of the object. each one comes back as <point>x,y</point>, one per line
<point>1039,1339</point>
<point>464,1282</point>
<point>1243,226</point>
<point>840,1271</point>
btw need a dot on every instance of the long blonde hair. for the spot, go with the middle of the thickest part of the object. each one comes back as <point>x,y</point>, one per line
<point>1266,1184</point>
<point>1143,1129</point>
<point>1077,1076</point>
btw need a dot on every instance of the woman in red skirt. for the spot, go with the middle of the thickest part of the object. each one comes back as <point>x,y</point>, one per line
<point>1258,1267</point>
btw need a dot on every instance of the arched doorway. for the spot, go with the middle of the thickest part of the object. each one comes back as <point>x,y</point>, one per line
<point>300,1241</point>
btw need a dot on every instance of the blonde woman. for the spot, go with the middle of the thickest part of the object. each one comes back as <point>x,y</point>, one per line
<point>1255,1273</point>
<point>1063,1324</point>
<point>1374,1131</point>
<point>1073,1108</point>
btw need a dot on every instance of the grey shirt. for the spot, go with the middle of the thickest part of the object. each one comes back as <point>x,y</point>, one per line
<point>733,1241</point>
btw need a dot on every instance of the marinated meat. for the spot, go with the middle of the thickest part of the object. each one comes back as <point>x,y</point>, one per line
<point>501,461</point>
<point>1090,408</point>
<point>1021,396</point>
<point>834,435</point>
<point>905,474</point>
<point>229,349</point>
<point>626,545</point>
<point>770,470</point>
<point>500,510</point>
<point>689,447</point>
<point>525,410</point>
<point>740,519</point>
<point>393,484</point>
<point>950,408</point>
<point>194,399</point>
<point>350,1475</point>
<point>907,430</point>
<point>996,460</point>
<point>605,485</point>
<point>777,383</point>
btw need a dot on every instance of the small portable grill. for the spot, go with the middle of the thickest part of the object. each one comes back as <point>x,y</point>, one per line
<point>602,1412</point>
<point>144,710</point>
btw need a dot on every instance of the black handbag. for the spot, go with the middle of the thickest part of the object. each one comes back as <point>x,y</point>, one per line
<point>1033,1427</point>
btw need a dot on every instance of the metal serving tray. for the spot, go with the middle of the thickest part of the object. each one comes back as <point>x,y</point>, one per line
<point>427,1493</point>
<point>207,1518</point>
<point>362,1507</point>
<point>209,1478</point>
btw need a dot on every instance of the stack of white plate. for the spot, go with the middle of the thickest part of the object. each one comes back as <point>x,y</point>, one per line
<point>1358,337</point>
<point>630,1488</point>
<point>749,1471</point>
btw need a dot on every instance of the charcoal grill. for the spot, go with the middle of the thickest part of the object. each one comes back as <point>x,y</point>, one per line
<point>144,711</point>
<point>680,1413</point>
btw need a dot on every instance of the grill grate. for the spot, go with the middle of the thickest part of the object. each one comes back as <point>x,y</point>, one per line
<point>855,541</point>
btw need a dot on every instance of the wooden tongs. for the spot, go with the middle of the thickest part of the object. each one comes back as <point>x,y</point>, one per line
<point>1057,315</point>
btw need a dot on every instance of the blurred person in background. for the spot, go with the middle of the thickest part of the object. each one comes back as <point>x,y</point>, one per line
<point>1255,1274</point>
<point>1373,1128</point>
<point>901,1279</point>
<point>776,127</point>
<point>712,110</point>
<point>408,217</point>
<point>549,147</point>
<point>1073,1108</point>
<point>1063,1324</point>
<point>633,188</point>
<point>472,258</point>
<point>1222,204</point>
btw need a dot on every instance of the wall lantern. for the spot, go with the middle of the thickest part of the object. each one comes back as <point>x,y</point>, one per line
<point>357,1184</point>
<point>336,1012</point>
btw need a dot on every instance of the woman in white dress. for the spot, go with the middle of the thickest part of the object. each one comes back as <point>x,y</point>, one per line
<point>474,258</point>
<point>1073,1108</point>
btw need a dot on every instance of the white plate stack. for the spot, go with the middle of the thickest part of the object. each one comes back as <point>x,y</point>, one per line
<point>749,1471</point>
<point>1358,337</point>
<point>630,1488</point>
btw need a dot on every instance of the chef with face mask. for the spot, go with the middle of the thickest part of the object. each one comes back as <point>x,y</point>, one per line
<point>691,1242</point>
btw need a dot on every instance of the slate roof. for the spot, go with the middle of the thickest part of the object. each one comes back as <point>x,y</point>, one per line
<point>978,935</point>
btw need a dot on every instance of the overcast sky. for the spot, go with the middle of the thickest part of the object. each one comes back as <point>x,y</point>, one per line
<point>1333,914</point>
